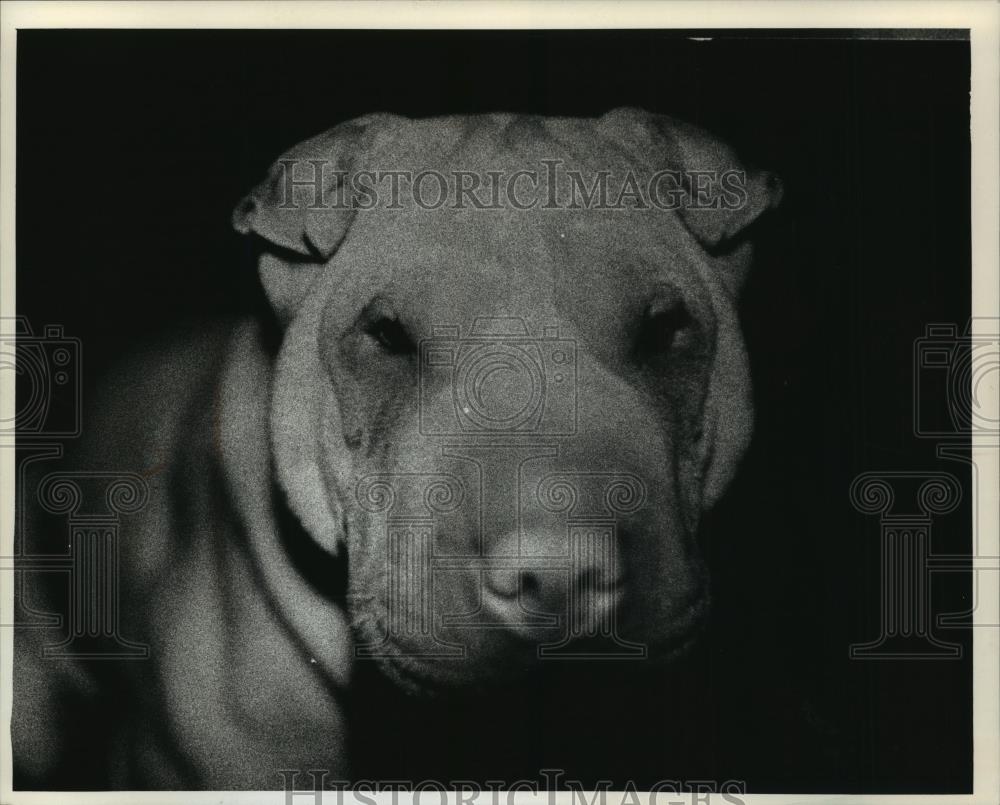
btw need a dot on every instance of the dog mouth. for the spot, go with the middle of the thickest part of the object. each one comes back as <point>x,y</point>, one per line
<point>415,673</point>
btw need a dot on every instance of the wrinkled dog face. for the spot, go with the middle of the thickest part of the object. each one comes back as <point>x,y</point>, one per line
<point>512,417</point>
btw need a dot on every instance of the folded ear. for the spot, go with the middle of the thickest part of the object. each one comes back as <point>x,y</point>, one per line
<point>721,196</point>
<point>303,208</point>
<point>720,199</point>
<point>719,224</point>
<point>735,195</point>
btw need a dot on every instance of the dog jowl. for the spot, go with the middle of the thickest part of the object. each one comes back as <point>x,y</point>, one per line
<point>509,408</point>
<point>509,382</point>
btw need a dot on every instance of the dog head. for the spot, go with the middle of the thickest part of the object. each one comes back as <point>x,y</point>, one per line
<point>511,377</point>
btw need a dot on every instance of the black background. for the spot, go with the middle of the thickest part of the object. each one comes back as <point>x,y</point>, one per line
<point>134,146</point>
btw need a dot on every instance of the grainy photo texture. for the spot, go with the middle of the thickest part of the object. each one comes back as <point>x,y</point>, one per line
<point>536,410</point>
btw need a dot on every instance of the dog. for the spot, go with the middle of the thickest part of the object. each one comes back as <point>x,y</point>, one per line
<point>479,421</point>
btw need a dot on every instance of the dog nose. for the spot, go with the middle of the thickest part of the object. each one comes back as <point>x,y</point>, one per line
<point>540,593</point>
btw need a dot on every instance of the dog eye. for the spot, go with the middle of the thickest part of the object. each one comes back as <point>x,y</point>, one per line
<point>662,327</point>
<point>391,336</point>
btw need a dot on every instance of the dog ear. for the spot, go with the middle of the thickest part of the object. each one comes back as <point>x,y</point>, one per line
<point>721,197</point>
<point>733,197</point>
<point>302,210</point>
<point>301,214</point>
<point>721,230</point>
<point>296,207</point>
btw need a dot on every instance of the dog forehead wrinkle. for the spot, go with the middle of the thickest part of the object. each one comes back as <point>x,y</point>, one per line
<point>421,248</point>
<point>499,141</point>
<point>594,282</point>
<point>356,274</point>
